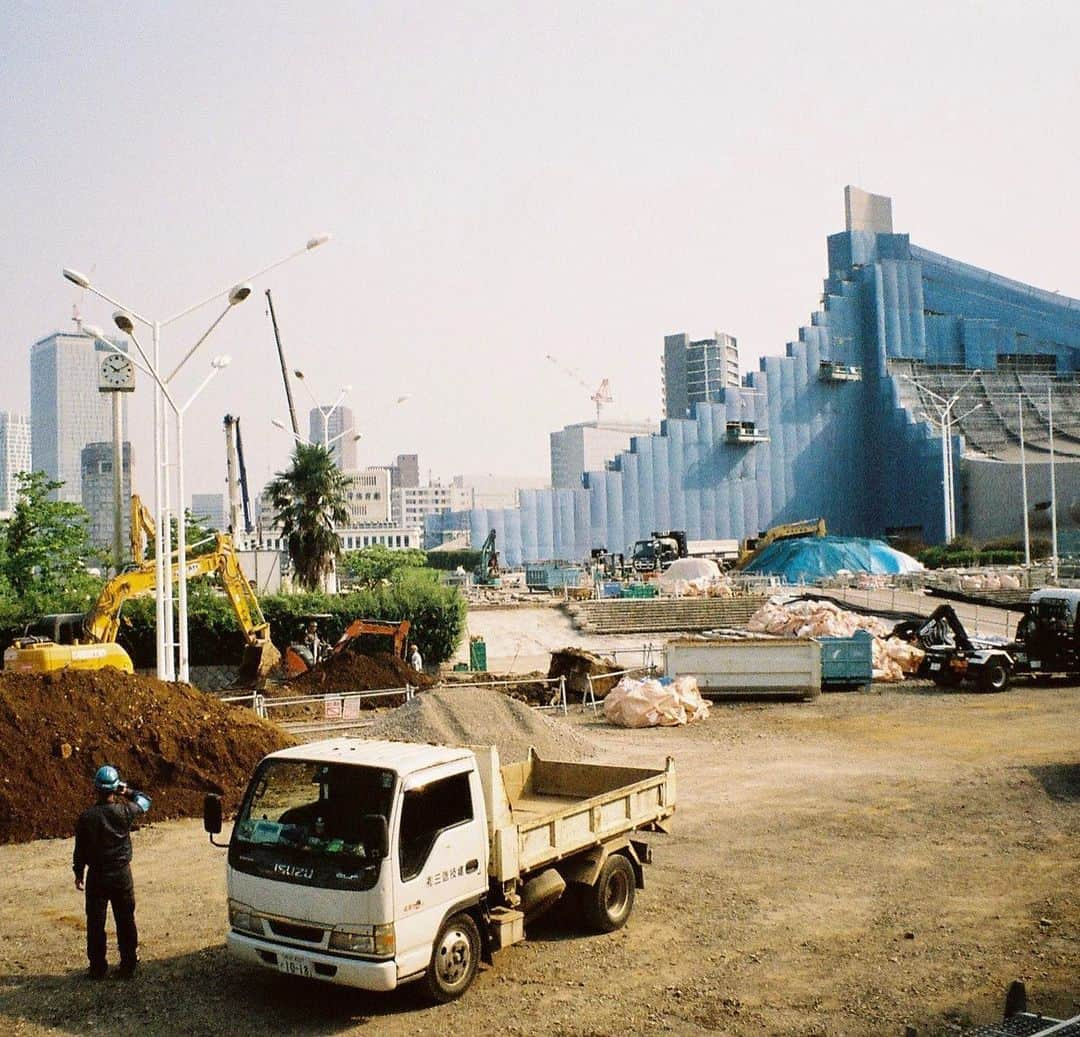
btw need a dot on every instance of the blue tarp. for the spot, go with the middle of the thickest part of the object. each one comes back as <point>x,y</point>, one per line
<point>811,558</point>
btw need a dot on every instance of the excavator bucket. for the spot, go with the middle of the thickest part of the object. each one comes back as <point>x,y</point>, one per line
<point>260,660</point>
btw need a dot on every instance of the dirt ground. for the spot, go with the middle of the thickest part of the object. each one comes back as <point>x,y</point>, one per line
<point>845,866</point>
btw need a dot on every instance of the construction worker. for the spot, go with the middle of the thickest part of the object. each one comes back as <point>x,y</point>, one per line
<point>103,851</point>
<point>416,660</point>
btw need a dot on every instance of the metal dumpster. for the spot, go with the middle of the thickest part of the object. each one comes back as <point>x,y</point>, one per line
<point>780,667</point>
<point>847,662</point>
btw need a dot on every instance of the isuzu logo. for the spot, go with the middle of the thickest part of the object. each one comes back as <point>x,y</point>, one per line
<point>293,871</point>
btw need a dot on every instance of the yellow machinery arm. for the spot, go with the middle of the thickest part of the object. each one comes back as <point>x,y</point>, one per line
<point>752,547</point>
<point>142,529</point>
<point>102,622</point>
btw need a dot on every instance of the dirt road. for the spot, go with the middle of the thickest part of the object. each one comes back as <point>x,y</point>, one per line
<point>838,867</point>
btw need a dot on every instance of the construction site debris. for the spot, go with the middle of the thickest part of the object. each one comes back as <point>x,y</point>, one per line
<point>171,741</point>
<point>481,716</point>
<point>530,688</point>
<point>655,703</point>
<point>355,671</point>
<point>577,665</point>
<point>893,658</point>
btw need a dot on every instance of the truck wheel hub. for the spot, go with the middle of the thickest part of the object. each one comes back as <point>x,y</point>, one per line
<point>452,961</point>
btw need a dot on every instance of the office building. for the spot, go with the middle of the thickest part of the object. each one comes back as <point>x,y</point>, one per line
<point>67,411</point>
<point>696,372</point>
<point>405,472</point>
<point>411,504</point>
<point>14,456</point>
<point>98,494</point>
<point>588,446</point>
<point>334,426</point>
<point>209,508</point>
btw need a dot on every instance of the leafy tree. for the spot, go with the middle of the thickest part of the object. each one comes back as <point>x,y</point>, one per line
<point>370,565</point>
<point>46,544</point>
<point>309,500</point>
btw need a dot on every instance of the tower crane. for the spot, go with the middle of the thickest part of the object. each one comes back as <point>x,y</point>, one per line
<point>600,396</point>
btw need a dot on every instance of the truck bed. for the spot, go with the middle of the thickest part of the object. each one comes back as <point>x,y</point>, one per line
<point>544,811</point>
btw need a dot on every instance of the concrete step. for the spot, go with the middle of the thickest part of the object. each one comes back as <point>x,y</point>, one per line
<point>645,615</point>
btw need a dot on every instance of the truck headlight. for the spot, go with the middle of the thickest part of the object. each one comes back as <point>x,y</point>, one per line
<point>353,939</point>
<point>244,918</point>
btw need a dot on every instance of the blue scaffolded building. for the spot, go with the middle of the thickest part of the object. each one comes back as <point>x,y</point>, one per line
<point>829,429</point>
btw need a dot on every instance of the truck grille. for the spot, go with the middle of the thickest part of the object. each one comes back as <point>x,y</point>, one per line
<point>296,932</point>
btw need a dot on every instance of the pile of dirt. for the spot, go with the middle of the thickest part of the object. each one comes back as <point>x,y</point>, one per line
<point>577,665</point>
<point>353,671</point>
<point>530,688</point>
<point>481,716</point>
<point>171,741</point>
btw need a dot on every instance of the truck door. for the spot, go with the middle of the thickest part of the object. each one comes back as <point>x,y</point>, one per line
<point>441,860</point>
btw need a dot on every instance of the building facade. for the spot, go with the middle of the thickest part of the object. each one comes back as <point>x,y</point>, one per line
<point>696,372</point>
<point>66,410</point>
<point>334,426</point>
<point>210,508</point>
<point>405,472</point>
<point>14,456</point>
<point>588,446</point>
<point>97,487</point>
<point>827,429</point>
<point>410,505</point>
<point>367,495</point>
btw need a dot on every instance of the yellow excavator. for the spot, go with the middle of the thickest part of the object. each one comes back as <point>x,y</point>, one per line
<point>753,546</point>
<point>88,642</point>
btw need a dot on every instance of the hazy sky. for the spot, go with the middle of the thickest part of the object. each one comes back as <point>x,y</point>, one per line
<point>503,181</point>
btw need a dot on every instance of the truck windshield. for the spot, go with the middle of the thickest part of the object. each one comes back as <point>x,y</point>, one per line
<point>319,824</point>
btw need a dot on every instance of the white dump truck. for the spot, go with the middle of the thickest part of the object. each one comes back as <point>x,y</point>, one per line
<point>374,863</point>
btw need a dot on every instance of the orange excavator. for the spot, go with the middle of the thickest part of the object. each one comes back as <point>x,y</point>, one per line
<point>360,635</point>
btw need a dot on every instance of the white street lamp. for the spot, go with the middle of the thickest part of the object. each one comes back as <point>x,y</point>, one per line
<point>946,421</point>
<point>219,363</point>
<point>125,319</point>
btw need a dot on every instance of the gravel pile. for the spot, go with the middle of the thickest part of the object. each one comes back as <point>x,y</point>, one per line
<point>481,716</point>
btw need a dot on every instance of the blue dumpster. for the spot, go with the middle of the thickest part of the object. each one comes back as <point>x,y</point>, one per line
<point>847,662</point>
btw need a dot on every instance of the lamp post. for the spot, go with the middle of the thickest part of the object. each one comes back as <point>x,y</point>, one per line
<point>946,420</point>
<point>1023,484</point>
<point>126,319</point>
<point>219,363</point>
<point>1053,484</point>
<point>324,412</point>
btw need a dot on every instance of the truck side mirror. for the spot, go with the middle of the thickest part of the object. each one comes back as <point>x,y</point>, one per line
<point>380,834</point>
<point>211,814</point>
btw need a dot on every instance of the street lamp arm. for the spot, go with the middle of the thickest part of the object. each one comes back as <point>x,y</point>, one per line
<point>191,352</point>
<point>307,388</point>
<point>109,299</point>
<point>341,435</point>
<point>312,243</point>
<point>202,385</point>
<point>289,431</point>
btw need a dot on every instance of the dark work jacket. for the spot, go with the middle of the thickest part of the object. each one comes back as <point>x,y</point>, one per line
<point>103,840</point>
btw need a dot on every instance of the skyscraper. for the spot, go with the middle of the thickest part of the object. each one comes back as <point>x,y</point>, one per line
<point>337,431</point>
<point>697,372</point>
<point>97,493</point>
<point>14,455</point>
<point>66,410</point>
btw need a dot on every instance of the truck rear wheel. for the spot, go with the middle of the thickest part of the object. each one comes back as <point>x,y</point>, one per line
<point>609,901</point>
<point>454,959</point>
<point>994,676</point>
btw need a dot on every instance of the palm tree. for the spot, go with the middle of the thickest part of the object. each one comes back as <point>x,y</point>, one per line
<point>309,501</point>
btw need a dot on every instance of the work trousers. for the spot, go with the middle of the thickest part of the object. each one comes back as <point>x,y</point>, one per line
<point>119,891</point>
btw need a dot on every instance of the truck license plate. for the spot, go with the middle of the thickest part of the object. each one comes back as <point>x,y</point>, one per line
<point>935,666</point>
<point>294,965</point>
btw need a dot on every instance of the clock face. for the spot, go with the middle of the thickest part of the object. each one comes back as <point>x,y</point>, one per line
<point>116,374</point>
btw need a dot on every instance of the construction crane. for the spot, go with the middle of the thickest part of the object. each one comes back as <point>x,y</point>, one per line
<point>234,467</point>
<point>600,396</point>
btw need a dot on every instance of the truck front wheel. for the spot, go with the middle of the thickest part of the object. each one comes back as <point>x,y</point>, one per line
<point>609,901</point>
<point>994,676</point>
<point>454,959</point>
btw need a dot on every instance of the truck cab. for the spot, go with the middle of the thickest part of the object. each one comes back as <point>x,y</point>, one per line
<point>1048,637</point>
<point>346,872</point>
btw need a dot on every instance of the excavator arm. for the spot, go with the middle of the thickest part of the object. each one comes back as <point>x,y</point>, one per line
<point>102,622</point>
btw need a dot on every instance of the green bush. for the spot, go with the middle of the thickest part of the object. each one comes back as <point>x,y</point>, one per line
<point>448,561</point>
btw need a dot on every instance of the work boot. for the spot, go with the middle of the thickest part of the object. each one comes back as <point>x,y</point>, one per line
<point>95,972</point>
<point>127,969</point>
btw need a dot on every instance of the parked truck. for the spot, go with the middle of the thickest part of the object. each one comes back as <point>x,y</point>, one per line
<point>1047,643</point>
<point>373,864</point>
